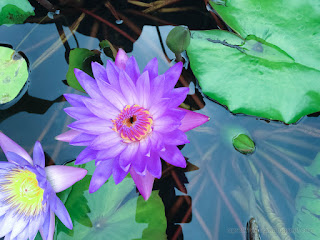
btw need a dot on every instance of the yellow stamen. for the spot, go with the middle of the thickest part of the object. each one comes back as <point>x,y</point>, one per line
<point>23,192</point>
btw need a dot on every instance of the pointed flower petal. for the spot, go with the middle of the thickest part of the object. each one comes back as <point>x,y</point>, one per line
<point>192,120</point>
<point>144,183</point>
<point>8,145</point>
<point>62,177</point>
<point>38,155</point>
<point>121,59</point>
<point>101,175</point>
<point>67,136</point>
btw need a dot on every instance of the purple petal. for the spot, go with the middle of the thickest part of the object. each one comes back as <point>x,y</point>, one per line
<point>82,139</point>
<point>113,74</point>
<point>140,164</point>
<point>157,110</point>
<point>143,89</point>
<point>103,110</point>
<point>101,175</point>
<point>128,155</point>
<point>173,156</point>
<point>78,112</point>
<point>7,223</point>
<point>172,75</point>
<point>33,229</point>
<point>176,137</point>
<point>177,96</point>
<point>62,213</point>
<point>74,99</point>
<point>94,126</point>
<point>152,68</point>
<point>166,124</point>
<point>105,141</point>
<point>85,156</point>
<point>67,136</point>
<point>121,59</point>
<point>19,226</point>
<point>192,120</point>
<point>157,89</point>
<point>61,177</point>
<point>99,72</point>
<point>47,230</point>
<point>143,183</point>
<point>154,164</point>
<point>117,172</point>
<point>8,145</point>
<point>112,95</point>
<point>89,84</point>
<point>17,159</point>
<point>38,155</point>
<point>128,88</point>
<point>132,69</point>
<point>111,152</point>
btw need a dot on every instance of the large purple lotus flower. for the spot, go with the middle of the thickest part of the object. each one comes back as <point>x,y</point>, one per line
<point>129,121</point>
<point>28,199</point>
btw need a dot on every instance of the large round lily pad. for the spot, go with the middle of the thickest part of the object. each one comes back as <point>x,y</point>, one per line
<point>113,212</point>
<point>13,74</point>
<point>15,11</point>
<point>271,69</point>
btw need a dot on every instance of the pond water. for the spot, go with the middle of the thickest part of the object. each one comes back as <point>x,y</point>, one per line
<point>219,193</point>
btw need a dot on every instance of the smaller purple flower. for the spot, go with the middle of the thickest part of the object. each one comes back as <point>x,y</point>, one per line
<point>28,200</point>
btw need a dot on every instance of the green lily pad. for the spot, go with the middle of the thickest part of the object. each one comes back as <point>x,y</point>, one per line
<point>113,212</point>
<point>13,74</point>
<point>15,11</point>
<point>271,69</point>
<point>306,221</point>
<point>80,58</point>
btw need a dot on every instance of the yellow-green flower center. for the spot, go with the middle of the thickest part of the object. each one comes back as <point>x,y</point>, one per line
<point>23,192</point>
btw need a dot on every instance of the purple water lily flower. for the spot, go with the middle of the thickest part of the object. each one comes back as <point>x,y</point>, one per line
<point>28,199</point>
<point>129,121</point>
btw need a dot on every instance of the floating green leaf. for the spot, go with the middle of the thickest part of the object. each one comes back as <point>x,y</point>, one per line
<point>271,69</point>
<point>306,221</point>
<point>15,11</point>
<point>80,58</point>
<point>243,144</point>
<point>113,212</point>
<point>13,74</point>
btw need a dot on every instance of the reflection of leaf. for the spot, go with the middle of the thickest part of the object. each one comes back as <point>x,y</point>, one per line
<point>80,58</point>
<point>307,219</point>
<point>14,11</point>
<point>253,77</point>
<point>13,74</point>
<point>113,212</point>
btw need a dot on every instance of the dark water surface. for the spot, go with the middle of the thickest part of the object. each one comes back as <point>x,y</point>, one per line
<point>222,191</point>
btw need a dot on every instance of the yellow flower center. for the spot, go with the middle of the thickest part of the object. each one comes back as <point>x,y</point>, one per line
<point>23,192</point>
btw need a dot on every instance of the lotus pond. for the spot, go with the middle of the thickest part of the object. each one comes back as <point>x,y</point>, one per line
<point>252,67</point>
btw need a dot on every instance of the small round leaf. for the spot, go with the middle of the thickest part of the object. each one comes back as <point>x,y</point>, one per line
<point>13,74</point>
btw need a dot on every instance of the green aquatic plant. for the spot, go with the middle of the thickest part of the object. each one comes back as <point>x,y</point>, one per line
<point>115,211</point>
<point>14,74</point>
<point>15,11</point>
<point>269,67</point>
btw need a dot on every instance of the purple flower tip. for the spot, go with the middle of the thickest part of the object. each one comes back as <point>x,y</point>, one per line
<point>130,120</point>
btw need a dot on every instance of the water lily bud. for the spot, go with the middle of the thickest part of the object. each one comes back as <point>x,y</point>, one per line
<point>243,144</point>
<point>178,39</point>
